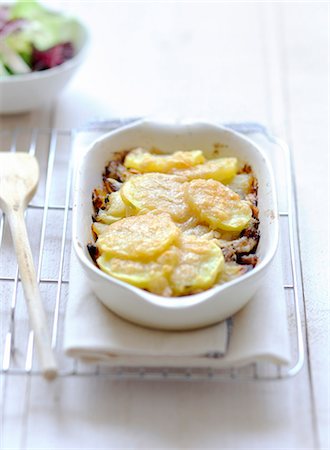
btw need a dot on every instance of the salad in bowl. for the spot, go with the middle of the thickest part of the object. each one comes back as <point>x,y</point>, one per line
<point>33,38</point>
<point>40,50</point>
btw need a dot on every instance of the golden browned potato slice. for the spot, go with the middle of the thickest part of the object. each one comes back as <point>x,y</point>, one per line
<point>156,191</point>
<point>116,209</point>
<point>217,169</point>
<point>146,275</point>
<point>152,275</point>
<point>217,205</point>
<point>190,267</point>
<point>138,237</point>
<point>144,161</point>
<point>200,262</point>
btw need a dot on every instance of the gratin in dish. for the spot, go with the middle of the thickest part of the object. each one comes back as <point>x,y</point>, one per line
<point>175,224</point>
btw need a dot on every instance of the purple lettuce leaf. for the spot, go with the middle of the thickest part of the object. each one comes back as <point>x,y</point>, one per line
<point>52,57</point>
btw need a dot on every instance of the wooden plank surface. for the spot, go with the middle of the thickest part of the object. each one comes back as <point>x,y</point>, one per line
<point>307,92</point>
<point>225,61</point>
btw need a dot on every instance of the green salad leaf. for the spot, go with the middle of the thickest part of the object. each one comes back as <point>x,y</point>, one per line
<point>34,38</point>
<point>45,28</point>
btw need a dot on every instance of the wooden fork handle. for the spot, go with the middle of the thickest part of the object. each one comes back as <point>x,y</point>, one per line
<point>37,316</point>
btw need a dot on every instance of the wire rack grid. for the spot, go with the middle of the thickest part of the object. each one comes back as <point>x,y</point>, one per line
<point>52,244</point>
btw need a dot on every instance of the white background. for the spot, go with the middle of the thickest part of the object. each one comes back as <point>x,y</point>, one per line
<point>229,61</point>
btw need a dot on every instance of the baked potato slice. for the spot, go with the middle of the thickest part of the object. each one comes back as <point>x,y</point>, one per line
<point>200,262</point>
<point>156,192</point>
<point>145,275</point>
<point>221,169</point>
<point>140,237</point>
<point>217,205</point>
<point>116,209</point>
<point>143,161</point>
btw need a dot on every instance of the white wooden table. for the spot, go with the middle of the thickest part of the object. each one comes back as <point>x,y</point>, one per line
<point>230,61</point>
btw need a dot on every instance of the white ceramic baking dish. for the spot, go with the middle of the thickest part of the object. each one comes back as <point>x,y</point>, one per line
<point>137,305</point>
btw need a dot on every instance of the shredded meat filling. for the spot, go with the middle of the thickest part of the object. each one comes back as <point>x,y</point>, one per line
<point>115,168</point>
<point>242,250</point>
<point>93,251</point>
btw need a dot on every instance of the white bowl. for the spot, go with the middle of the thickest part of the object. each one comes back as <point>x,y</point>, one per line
<point>145,308</point>
<point>26,92</point>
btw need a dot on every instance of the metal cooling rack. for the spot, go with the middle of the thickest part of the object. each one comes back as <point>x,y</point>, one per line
<point>52,244</point>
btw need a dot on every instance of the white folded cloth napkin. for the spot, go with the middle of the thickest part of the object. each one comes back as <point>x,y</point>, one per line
<point>259,332</point>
